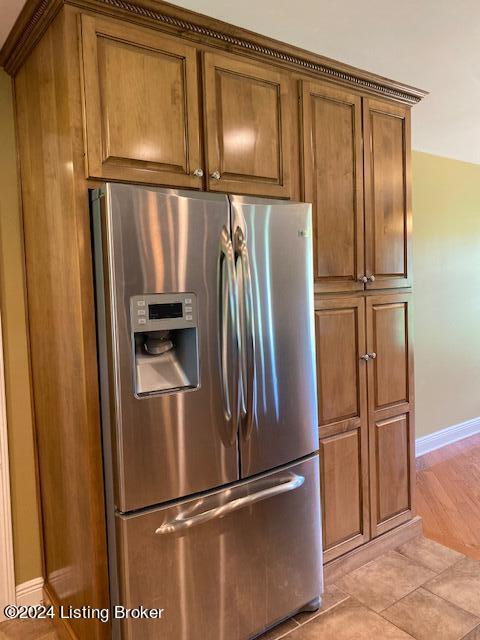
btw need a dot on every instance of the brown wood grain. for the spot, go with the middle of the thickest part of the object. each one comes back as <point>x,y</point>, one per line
<point>333,183</point>
<point>141,105</point>
<point>448,496</point>
<point>247,128</point>
<point>388,207</point>
<point>61,324</point>
<point>342,405</point>
<point>390,410</point>
<point>150,101</point>
<point>36,15</point>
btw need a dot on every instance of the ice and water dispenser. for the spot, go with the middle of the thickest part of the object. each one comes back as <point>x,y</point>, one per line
<point>165,342</point>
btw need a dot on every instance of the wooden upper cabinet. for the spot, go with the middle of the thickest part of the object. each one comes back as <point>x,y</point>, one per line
<point>391,416</point>
<point>342,408</point>
<point>388,215</point>
<point>141,105</point>
<point>333,183</point>
<point>247,115</point>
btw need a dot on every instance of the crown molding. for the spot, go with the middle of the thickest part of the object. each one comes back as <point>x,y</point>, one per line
<point>34,18</point>
<point>37,14</point>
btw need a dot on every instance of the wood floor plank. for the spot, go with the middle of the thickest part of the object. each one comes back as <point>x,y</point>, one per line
<point>448,495</point>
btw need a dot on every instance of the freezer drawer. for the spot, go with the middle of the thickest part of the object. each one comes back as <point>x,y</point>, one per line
<point>227,565</point>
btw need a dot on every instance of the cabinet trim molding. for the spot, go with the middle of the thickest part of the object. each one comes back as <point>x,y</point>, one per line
<point>37,14</point>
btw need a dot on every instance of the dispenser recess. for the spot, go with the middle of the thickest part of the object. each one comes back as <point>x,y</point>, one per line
<point>164,343</point>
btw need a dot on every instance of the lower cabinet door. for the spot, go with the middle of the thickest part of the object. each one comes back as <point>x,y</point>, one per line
<point>344,493</point>
<point>391,466</point>
<point>342,411</point>
<point>228,564</point>
<point>391,414</point>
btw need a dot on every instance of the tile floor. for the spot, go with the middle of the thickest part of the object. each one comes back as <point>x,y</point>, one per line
<point>420,590</point>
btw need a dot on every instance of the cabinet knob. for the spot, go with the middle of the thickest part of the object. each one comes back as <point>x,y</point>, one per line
<point>198,173</point>
<point>370,278</point>
<point>365,357</point>
<point>215,175</point>
<point>372,355</point>
<point>362,279</point>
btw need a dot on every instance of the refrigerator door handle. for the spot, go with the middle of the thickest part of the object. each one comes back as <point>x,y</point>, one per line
<point>181,523</point>
<point>247,332</point>
<point>228,311</point>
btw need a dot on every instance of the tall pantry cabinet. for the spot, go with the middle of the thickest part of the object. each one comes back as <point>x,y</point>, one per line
<point>356,159</point>
<point>149,93</point>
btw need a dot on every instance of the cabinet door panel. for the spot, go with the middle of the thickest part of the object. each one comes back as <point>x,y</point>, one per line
<point>341,378</point>
<point>247,126</point>
<point>391,440</point>
<point>342,495</point>
<point>391,458</point>
<point>387,194</point>
<point>388,325</point>
<point>391,410</point>
<point>333,183</point>
<point>141,105</point>
<point>340,338</point>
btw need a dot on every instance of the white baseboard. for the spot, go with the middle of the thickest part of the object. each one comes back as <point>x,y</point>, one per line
<point>446,436</point>
<point>30,593</point>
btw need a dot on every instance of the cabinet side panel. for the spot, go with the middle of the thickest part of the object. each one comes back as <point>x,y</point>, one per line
<point>61,323</point>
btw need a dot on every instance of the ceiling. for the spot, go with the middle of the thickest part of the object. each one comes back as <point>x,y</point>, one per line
<point>10,11</point>
<point>431,44</point>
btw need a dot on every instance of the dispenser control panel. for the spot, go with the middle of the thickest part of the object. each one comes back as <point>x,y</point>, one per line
<point>163,311</point>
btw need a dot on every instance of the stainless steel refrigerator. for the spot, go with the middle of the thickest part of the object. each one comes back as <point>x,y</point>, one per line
<point>207,368</point>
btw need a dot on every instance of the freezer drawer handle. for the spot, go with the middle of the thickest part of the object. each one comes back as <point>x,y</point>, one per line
<point>179,524</point>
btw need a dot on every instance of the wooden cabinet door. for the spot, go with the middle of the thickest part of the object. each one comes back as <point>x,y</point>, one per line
<point>388,214</point>
<point>342,410</point>
<point>333,183</point>
<point>391,416</point>
<point>247,107</point>
<point>141,105</point>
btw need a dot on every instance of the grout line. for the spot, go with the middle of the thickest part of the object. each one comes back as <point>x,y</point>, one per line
<point>454,604</point>
<point>399,600</point>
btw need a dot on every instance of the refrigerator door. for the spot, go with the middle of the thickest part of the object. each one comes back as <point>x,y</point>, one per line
<point>227,565</point>
<point>273,247</point>
<point>160,241</point>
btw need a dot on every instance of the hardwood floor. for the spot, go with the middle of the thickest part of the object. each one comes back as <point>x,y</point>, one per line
<point>448,495</point>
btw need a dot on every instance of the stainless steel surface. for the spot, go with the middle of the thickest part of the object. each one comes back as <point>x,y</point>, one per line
<point>365,357</point>
<point>227,578</point>
<point>198,173</point>
<point>215,175</point>
<point>372,355</point>
<point>168,446</point>
<point>225,558</point>
<point>96,197</point>
<point>229,333</point>
<point>181,522</point>
<point>247,331</point>
<point>278,240</point>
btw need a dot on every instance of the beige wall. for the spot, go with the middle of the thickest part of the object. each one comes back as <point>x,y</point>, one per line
<point>446,232</point>
<point>22,468</point>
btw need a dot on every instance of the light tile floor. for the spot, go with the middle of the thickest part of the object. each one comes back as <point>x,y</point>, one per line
<point>421,590</point>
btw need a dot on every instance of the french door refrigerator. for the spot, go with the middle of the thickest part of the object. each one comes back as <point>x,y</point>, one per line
<point>207,370</point>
